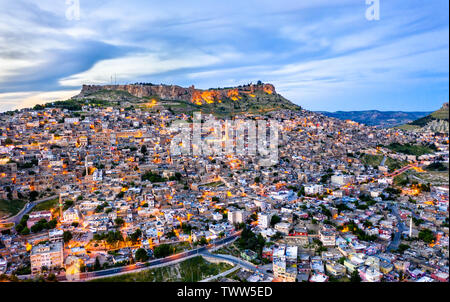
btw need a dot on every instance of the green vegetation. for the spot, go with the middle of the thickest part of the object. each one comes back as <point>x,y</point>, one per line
<point>402,247</point>
<point>163,250</point>
<point>355,277</point>
<point>11,207</point>
<point>363,236</point>
<point>437,166</point>
<point>153,177</point>
<point>274,220</point>
<point>47,205</point>
<point>101,207</point>
<point>134,237</point>
<point>21,227</point>
<point>119,222</point>
<point>249,241</point>
<point>441,114</point>
<point>375,161</point>
<point>141,255</point>
<point>426,236</point>
<point>191,270</point>
<point>43,225</point>
<point>411,149</point>
<point>67,236</point>
<point>111,237</point>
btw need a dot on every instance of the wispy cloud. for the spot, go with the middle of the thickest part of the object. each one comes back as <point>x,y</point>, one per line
<point>323,55</point>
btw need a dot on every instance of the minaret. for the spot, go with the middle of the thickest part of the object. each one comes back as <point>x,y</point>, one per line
<point>60,207</point>
<point>86,165</point>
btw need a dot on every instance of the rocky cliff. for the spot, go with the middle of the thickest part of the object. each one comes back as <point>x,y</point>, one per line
<point>174,92</point>
<point>437,121</point>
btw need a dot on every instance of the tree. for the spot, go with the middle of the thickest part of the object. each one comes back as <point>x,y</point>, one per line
<point>97,265</point>
<point>141,255</point>
<point>67,236</point>
<point>274,220</point>
<point>355,277</point>
<point>426,235</point>
<point>144,149</point>
<point>203,241</point>
<point>52,278</point>
<point>134,237</point>
<point>119,222</point>
<point>162,251</point>
<point>301,192</point>
<point>171,234</point>
<point>33,195</point>
<point>25,231</point>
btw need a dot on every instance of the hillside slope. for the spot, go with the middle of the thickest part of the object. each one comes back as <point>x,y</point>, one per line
<point>437,121</point>
<point>377,118</point>
<point>252,98</point>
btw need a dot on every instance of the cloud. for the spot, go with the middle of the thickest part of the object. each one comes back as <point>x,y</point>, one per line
<point>19,100</point>
<point>141,64</point>
<point>313,51</point>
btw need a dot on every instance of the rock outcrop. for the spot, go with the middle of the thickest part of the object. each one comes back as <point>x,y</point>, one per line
<point>174,92</point>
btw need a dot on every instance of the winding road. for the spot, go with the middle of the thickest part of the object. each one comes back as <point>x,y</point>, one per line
<point>170,260</point>
<point>26,209</point>
<point>400,228</point>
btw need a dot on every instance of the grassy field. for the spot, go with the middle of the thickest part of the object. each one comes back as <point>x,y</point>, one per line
<point>230,249</point>
<point>47,205</point>
<point>375,161</point>
<point>191,270</point>
<point>11,207</point>
<point>441,114</point>
<point>434,177</point>
<point>214,184</point>
<point>408,127</point>
<point>410,149</point>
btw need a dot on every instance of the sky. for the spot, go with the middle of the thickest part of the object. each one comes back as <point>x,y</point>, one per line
<point>321,55</point>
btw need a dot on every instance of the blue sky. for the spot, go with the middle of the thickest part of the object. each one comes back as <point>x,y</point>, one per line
<point>322,55</point>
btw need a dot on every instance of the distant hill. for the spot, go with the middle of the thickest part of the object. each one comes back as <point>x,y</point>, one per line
<point>377,118</point>
<point>252,98</point>
<point>437,121</point>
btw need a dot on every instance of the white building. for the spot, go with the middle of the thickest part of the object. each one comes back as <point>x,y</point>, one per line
<point>341,179</point>
<point>313,189</point>
<point>71,215</point>
<point>237,216</point>
<point>327,238</point>
<point>49,255</point>
<point>264,220</point>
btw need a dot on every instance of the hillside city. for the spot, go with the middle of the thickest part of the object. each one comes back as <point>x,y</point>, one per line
<point>92,192</point>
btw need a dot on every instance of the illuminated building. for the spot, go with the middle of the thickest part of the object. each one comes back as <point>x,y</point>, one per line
<point>285,263</point>
<point>71,215</point>
<point>49,255</point>
<point>328,238</point>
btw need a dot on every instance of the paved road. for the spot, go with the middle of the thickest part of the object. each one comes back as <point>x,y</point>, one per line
<point>222,274</point>
<point>400,228</point>
<point>154,263</point>
<point>238,261</point>
<point>27,209</point>
<point>383,161</point>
